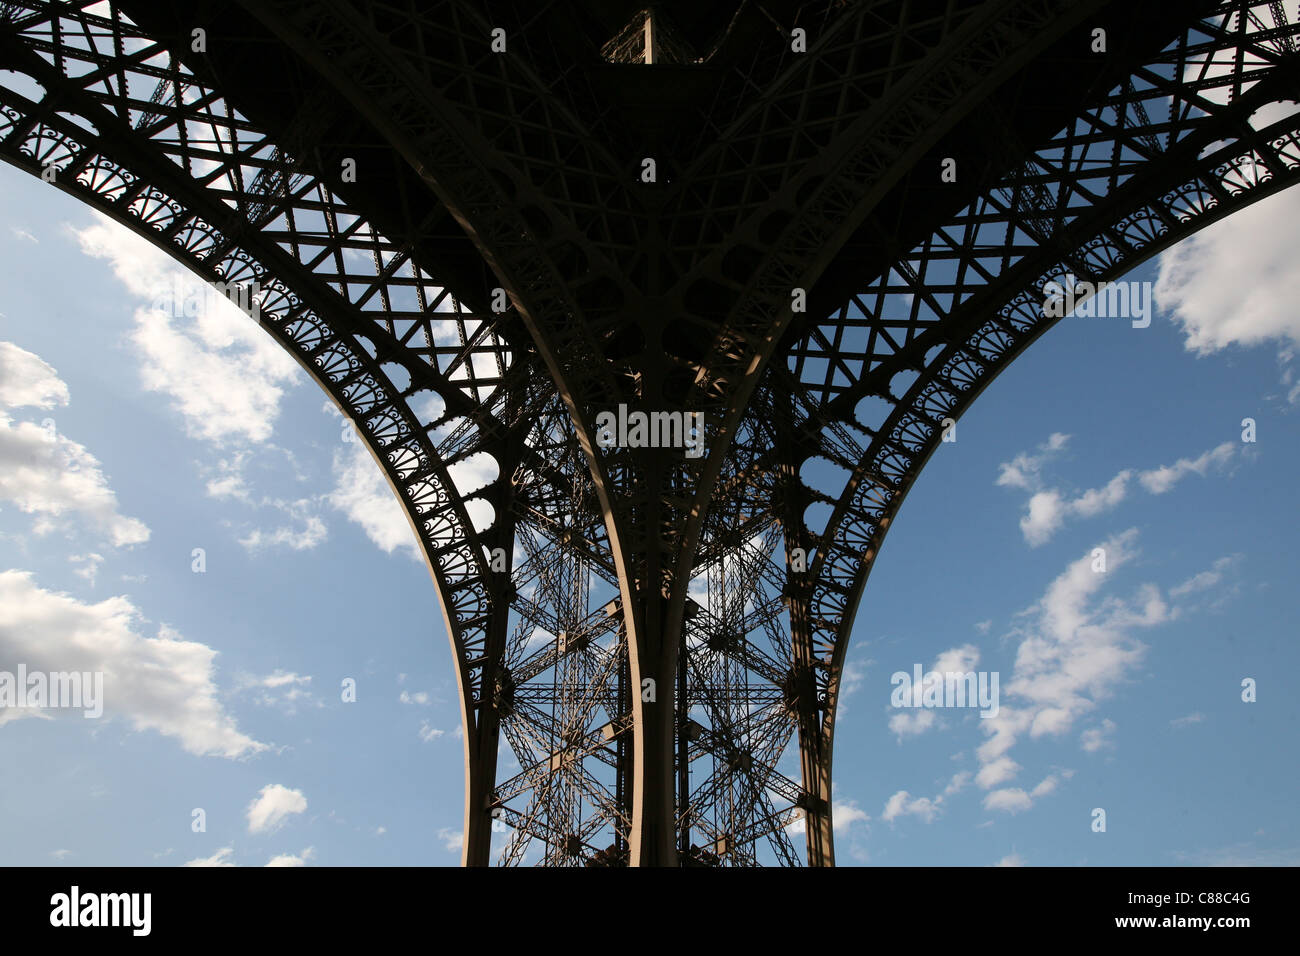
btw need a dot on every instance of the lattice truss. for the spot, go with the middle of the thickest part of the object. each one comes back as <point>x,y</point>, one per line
<point>564,691</point>
<point>847,410</point>
<point>740,803</point>
<point>564,218</point>
<point>1205,128</point>
<point>128,128</point>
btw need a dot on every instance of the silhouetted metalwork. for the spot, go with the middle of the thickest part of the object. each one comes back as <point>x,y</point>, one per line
<point>657,639</point>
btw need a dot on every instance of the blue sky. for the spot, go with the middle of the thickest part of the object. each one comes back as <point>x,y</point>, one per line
<point>132,438</point>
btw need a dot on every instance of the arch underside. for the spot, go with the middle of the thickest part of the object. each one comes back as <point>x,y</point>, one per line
<point>546,656</point>
<point>1209,126</point>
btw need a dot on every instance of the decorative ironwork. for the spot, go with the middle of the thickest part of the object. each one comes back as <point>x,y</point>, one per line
<point>656,639</point>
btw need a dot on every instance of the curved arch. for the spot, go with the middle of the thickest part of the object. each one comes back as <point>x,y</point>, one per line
<point>183,169</point>
<point>491,189</point>
<point>1052,216</point>
<point>130,130</point>
<point>904,110</point>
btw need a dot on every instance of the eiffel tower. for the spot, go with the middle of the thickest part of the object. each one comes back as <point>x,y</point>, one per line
<point>797,238</point>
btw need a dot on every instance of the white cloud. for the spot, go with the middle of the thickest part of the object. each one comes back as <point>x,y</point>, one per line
<point>1235,282</point>
<point>1180,722</point>
<point>362,494</point>
<point>289,859</point>
<point>87,566</point>
<point>1010,800</point>
<point>219,397</point>
<point>27,381</point>
<point>1047,785</point>
<point>273,806</point>
<point>223,374</point>
<point>1205,580</point>
<point>911,723</point>
<point>957,660</point>
<point>1048,509</point>
<point>996,771</point>
<point>1098,500</point>
<point>903,803</point>
<point>282,679</point>
<point>51,476</point>
<point>311,533</point>
<point>851,678</point>
<point>226,480</point>
<point>1044,516</point>
<point>1096,738</point>
<point>1076,647</point>
<point>428,732</point>
<point>1159,480</point>
<point>284,689</point>
<point>916,720</point>
<point>957,783</point>
<point>451,839</point>
<point>419,697</point>
<point>1011,859</point>
<point>223,857</point>
<point>845,813</point>
<point>163,683</point>
<point>1023,470</point>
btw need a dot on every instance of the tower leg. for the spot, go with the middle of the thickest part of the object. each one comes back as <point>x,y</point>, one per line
<point>480,776</point>
<point>654,780</point>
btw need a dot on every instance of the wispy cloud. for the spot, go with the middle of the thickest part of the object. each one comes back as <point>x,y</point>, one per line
<point>1049,509</point>
<point>1076,647</point>
<point>223,374</point>
<point>223,857</point>
<point>363,496</point>
<point>292,859</point>
<point>1162,479</point>
<point>45,473</point>
<point>27,380</point>
<point>903,804</point>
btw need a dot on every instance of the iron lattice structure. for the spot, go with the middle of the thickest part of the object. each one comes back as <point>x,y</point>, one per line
<point>653,643</point>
